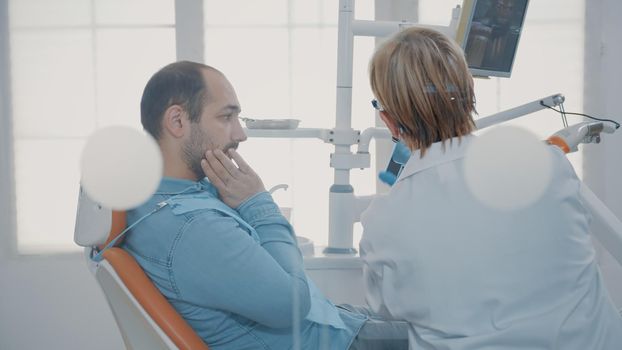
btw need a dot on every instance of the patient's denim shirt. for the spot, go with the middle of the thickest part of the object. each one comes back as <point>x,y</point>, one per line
<point>236,276</point>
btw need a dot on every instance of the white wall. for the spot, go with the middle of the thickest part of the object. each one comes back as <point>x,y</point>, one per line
<point>53,303</point>
<point>45,302</point>
<point>602,164</point>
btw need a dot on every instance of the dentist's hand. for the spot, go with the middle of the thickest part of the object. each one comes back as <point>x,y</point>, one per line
<point>235,184</point>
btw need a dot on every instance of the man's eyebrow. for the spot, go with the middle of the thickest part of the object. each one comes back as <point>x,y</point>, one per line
<point>231,109</point>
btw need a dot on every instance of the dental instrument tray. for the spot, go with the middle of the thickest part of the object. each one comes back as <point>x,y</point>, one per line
<point>271,123</point>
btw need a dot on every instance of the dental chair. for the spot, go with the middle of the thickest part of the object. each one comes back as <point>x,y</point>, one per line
<point>144,317</point>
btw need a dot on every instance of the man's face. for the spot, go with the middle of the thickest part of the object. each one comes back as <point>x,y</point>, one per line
<point>219,126</point>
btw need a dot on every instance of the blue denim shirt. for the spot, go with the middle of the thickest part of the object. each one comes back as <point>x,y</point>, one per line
<point>236,276</point>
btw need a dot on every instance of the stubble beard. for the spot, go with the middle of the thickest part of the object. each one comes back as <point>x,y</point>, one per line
<point>194,151</point>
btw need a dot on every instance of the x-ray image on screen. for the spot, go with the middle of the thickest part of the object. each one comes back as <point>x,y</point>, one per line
<point>492,35</point>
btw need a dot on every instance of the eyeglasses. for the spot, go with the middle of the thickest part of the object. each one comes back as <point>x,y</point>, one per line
<point>377,106</point>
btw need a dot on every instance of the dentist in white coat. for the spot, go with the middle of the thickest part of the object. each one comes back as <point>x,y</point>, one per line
<point>465,276</point>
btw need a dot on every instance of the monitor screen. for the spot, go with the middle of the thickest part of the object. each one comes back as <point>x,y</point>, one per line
<point>489,31</point>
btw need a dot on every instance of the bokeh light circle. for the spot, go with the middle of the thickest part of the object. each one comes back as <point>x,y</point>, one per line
<point>121,167</point>
<point>508,168</point>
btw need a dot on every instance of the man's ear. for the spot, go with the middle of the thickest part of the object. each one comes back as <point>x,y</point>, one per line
<point>391,124</point>
<point>174,121</point>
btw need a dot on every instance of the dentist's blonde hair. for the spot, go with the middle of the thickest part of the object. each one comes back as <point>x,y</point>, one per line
<point>422,81</point>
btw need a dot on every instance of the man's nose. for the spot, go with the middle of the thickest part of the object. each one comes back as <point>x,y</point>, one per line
<point>238,132</point>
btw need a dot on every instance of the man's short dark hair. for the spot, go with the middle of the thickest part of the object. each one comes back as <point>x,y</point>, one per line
<point>180,83</point>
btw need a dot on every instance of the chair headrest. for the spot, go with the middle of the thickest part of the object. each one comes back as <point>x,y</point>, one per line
<point>95,224</point>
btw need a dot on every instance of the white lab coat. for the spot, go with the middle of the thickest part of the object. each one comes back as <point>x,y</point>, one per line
<point>469,277</point>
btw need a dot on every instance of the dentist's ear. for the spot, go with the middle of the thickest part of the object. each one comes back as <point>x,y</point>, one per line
<point>174,121</point>
<point>391,124</point>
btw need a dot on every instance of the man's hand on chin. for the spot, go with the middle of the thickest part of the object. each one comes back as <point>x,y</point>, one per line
<point>235,183</point>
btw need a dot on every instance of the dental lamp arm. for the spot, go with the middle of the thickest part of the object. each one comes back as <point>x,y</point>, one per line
<point>516,112</point>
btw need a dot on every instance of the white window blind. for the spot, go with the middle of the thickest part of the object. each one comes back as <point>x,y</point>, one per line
<point>75,66</point>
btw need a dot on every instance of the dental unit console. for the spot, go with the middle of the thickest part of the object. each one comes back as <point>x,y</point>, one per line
<point>345,207</point>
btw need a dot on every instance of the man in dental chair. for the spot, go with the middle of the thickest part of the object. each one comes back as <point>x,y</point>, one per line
<point>221,252</point>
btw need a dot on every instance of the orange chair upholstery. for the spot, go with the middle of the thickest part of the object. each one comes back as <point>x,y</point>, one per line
<point>118,224</point>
